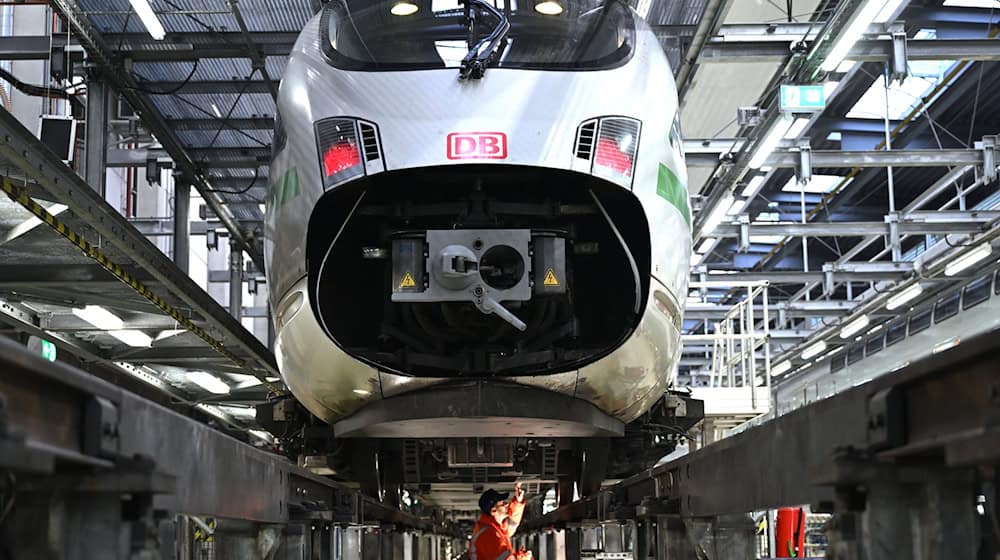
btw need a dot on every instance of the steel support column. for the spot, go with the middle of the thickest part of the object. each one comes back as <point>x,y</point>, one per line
<point>182,224</point>
<point>235,279</point>
<point>96,139</point>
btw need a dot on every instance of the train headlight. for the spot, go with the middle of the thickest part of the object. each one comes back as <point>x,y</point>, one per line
<point>611,144</point>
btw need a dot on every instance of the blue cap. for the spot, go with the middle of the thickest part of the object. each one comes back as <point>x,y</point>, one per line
<point>490,499</point>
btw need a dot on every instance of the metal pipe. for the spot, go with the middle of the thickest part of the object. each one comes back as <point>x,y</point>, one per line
<point>710,19</point>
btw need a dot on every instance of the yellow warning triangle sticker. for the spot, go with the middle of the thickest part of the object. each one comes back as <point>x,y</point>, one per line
<point>407,281</point>
<point>550,278</point>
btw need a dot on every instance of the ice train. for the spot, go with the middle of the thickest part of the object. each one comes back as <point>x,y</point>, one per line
<point>478,239</point>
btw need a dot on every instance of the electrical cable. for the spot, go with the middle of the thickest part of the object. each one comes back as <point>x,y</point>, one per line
<point>172,91</point>
<point>39,91</point>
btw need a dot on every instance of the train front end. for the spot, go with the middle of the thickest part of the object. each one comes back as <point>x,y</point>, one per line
<point>477,203</point>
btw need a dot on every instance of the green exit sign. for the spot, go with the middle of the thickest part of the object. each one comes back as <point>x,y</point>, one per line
<point>48,351</point>
<point>803,98</point>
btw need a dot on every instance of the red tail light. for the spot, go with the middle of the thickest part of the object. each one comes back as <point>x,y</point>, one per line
<point>614,148</point>
<point>339,150</point>
<point>610,156</point>
<point>340,157</point>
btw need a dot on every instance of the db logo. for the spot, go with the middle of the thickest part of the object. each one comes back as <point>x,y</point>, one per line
<point>477,145</point>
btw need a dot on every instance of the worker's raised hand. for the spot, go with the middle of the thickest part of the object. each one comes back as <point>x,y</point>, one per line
<point>518,492</point>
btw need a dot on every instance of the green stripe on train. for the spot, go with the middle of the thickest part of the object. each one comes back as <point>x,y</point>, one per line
<point>669,187</point>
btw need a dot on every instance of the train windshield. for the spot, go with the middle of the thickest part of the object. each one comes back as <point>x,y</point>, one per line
<point>426,34</point>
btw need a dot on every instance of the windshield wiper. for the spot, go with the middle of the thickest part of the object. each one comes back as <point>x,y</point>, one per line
<point>487,50</point>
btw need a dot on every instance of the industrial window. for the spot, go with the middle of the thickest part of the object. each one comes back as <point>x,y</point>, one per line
<point>996,284</point>
<point>838,362</point>
<point>946,307</point>
<point>855,353</point>
<point>895,332</point>
<point>919,321</point>
<point>976,292</point>
<point>873,345</point>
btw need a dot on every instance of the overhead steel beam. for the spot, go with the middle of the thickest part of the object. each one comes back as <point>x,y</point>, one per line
<point>198,157</point>
<point>65,275</point>
<point>796,309</point>
<point>38,47</point>
<point>221,86</point>
<point>102,57</point>
<point>719,51</point>
<point>259,63</point>
<point>140,47</point>
<point>262,123</point>
<point>790,159</point>
<point>799,277</point>
<point>974,222</point>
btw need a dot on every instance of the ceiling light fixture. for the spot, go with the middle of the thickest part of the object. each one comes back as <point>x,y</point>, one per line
<point>854,327</point>
<point>705,245</point>
<point>99,317</point>
<point>549,8</point>
<point>887,11</point>
<point>132,337</point>
<point>781,368</point>
<point>718,213</point>
<point>736,207</point>
<point>769,142</point>
<point>903,297</point>
<point>404,8</point>
<point>753,185</point>
<point>149,19</point>
<point>814,350</point>
<point>209,382</point>
<point>968,259</point>
<point>851,33</point>
<point>798,125</point>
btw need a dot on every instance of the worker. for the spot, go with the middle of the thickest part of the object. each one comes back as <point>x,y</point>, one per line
<point>498,520</point>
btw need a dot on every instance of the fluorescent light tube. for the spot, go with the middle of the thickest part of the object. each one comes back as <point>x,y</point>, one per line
<point>705,245</point>
<point>736,207</point>
<point>885,14</point>
<point>753,186</point>
<point>769,142</point>
<point>798,125</point>
<point>718,213</point>
<point>968,259</point>
<point>781,368</point>
<point>149,19</point>
<point>946,345</point>
<point>208,382</point>
<point>903,297</point>
<point>850,34</point>
<point>99,317</point>
<point>854,327</point>
<point>814,350</point>
<point>132,337</point>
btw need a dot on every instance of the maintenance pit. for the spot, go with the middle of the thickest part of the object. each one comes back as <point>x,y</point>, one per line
<point>306,279</point>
